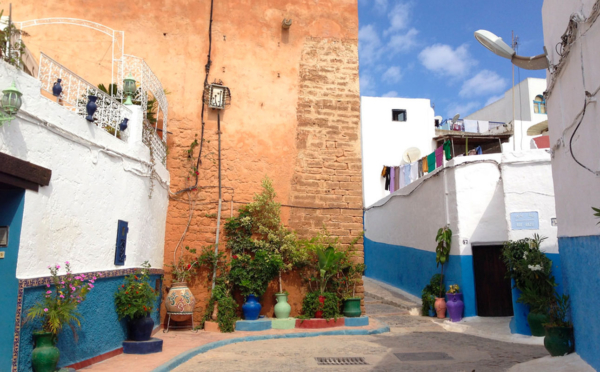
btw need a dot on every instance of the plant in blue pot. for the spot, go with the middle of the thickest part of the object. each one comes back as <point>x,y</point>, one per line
<point>251,275</point>
<point>135,299</point>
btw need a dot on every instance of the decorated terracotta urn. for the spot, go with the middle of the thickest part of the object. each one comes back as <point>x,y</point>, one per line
<point>180,300</point>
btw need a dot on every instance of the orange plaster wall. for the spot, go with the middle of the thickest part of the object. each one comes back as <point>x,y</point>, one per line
<point>261,63</point>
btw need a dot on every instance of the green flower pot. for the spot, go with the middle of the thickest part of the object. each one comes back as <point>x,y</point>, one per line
<point>282,308</point>
<point>44,357</point>
<point>559,341</point>
<point>536,322</point>
<point>352,308</point>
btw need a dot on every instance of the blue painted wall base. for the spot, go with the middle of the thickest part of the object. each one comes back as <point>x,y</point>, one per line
<point>153,345</point>
<point>580,260</point>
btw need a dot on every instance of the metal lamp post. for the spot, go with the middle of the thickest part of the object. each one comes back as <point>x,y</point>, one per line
<point>129,88</point>
<point>10,103</point>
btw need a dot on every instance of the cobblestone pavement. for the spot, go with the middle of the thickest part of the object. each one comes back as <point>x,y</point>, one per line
<point>394,351</point>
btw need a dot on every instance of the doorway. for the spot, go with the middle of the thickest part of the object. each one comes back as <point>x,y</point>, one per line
<point>492,289</point>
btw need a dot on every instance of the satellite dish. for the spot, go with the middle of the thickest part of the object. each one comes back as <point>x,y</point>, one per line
<point>494,43</point>
<point>411,155</point>
<point>455,118</point>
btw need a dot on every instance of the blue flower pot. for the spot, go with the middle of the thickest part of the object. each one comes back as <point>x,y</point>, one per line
<point>140,329</point>
<point>56,88</point>
<point>431,312</point>
<point>251,308</point>
<point>91,108</point>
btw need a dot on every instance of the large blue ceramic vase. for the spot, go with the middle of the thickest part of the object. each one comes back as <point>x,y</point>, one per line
<point>251,308</point>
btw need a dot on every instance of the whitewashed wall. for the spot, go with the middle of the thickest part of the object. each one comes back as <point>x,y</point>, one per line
<point>384,141</point>
<point>482,192</point>
<point>528,187</point>
<point>577,189</point>
<point>93,185</point>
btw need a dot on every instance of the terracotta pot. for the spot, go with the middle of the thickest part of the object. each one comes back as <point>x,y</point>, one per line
<point>180,300</point>
<point>440,307</point>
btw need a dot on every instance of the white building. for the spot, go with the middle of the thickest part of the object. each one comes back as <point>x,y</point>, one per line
<point>389,127</point>
<point>71,190</point>
<point>573,119</point>
<point>529,109</point>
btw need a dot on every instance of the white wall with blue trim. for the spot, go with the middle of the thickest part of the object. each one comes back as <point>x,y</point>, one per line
<point>476,197</point>
<point>574,139</point>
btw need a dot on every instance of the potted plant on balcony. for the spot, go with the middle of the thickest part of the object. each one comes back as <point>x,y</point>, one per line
<point>442,255</point>
<point>429,294</point>
<point>57,309</point>
<point>559,329</point>
<point>135,300</point>
<point>455,303</point>
<point>179,298</point>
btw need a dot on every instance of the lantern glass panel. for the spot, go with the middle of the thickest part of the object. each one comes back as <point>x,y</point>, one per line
<point>11,102</point>
<point>129,86</point>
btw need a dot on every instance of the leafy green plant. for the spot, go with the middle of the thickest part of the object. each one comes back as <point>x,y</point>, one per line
<point>442,251</point>
<point>11,50</point>
<point>186,267</point>
<point>136,297</point>
<point>531,270</point>
<point>454,289</point>
<point>221,294</point>
<point>558,315</point>
<point>251,274</point>
<point>597,214</point>
<point>59,306</point>
<point>330,307</point>
<point>431,291</point>
<point>328,264</point>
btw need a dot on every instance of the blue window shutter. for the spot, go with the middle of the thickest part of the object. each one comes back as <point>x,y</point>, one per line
<point>122,230</point>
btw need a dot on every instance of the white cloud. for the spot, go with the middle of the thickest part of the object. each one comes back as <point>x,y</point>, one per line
<point>392,75</point>
<point>399,17</point>
<point>391,93</point>
<point>403,42</point>
<point>378,5</point>
<point>369,44</point>
<point>494,99</point>
<point>484,83</point>
<point>463,109</point>
<point>367,85</point>
<point>443,60</point>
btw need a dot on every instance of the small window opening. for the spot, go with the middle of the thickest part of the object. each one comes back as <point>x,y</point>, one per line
<point>398,115</point>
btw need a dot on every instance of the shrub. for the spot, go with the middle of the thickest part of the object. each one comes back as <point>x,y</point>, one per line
<point>311,304</point>
<point>136,297</point>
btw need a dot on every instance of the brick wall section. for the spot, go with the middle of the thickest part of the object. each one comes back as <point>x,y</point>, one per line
<point>328,170</point>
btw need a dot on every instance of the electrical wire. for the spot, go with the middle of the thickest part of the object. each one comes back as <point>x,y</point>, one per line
<point>573,135</point>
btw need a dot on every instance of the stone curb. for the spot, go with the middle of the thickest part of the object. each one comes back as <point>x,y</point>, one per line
<point>184,357</point>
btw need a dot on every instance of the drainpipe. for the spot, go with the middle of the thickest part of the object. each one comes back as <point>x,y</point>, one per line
<point>214,278</point>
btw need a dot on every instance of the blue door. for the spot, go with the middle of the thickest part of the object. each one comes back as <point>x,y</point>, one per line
<point>11,216</point>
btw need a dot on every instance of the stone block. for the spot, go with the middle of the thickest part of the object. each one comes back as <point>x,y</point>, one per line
<point>357,322</point>
<point>253,325</point>
<point>285,323</point>
<point>154,345</point>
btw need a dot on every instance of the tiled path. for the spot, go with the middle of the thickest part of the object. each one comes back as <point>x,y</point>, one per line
<point>177,342</point>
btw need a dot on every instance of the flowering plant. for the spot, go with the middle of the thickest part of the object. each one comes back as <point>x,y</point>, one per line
<point>136,297</point>
<point>59,306</point>
<point>454,289</point>
<point>185,268</point>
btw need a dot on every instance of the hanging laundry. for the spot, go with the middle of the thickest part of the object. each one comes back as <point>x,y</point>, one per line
<point>439,156</point>
<point>470,126</point>
<point>383,171</point>
<point>484,126</point>
<point>397,177</point>
<point>478,150</point>
<point>420,167</point>
<point>472,152</point>
<point>414,171</point>
<point>431,162</point>
<point>448,149</point>
<point>402,179</point>
<point>386,174</point>
<point>406,171</point>
<point>392,179</point>
<point>425,164</point>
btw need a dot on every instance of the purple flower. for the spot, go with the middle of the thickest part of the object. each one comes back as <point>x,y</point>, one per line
<point>48,285</point>
<point>94,278</point>
<point>46,310</point>
<point>48,292</point>
<point>49,266</point>
<point>61,296</point>
<point>62,282</point>
<point>57,266</point>
<point>66,262</point>
<point>91,285</point>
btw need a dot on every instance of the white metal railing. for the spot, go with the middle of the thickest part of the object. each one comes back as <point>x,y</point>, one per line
<point>157,146</point>
<point>149,89</point>
<point>74,96</point>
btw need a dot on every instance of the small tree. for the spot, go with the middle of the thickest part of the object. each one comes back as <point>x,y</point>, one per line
<point>442,251</point>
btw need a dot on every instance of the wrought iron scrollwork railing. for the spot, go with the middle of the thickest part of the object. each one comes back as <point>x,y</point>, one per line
<point>157,146</point>
<point>74,96</point>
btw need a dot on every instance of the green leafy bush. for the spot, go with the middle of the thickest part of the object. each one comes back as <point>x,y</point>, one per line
<point>558,315</point>
<point>136,297</point>
<point>252,274</point>
<point>330,307</point>
<point>430,292</point>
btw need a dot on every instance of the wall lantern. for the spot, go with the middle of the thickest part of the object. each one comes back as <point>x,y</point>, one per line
<point>129,88</point>
<point>218,96</point>
<point>10,103</point>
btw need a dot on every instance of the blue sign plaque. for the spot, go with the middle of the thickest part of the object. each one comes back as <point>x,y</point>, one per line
<point>524,221</point>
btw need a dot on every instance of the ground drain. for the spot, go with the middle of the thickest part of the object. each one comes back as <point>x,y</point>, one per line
<point>345,361</point>
<point>418,357</point>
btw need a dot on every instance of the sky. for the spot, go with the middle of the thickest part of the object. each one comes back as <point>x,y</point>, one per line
<point>426,49</point>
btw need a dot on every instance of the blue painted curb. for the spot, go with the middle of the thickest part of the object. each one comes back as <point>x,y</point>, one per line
<point>154,345</point>
<point>184,357</point>
<point>357,322</point>
<point>253,325</point>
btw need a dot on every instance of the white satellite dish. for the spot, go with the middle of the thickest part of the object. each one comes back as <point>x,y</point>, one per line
<point>455,118</point>
<point>411,155</point>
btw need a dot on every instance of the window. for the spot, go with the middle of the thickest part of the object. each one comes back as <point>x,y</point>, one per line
<point>398,115</point>
<point>539,105</point>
